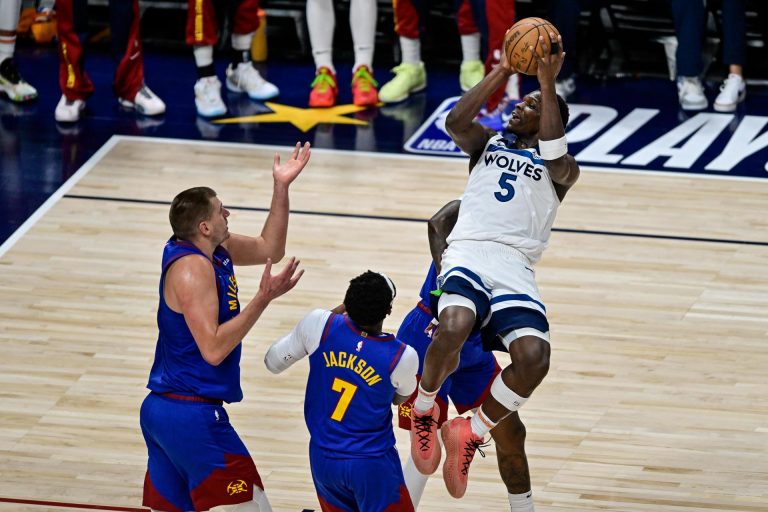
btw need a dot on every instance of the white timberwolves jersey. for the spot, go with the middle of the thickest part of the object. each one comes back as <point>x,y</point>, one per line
<point>509,199</point>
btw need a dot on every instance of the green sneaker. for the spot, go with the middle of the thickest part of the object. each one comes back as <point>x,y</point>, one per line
<point>472,71</point>
<point>408,78</point>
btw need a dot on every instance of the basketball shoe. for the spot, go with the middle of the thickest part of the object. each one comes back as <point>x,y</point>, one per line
<point>11,83</point>
<point>145,102</point>
<point>408,78</point>
<point>460,447</point>
<point>324,89</point>
<point>364,93</point>
<point>425,448</point>
<point>470,74</point>
<point>732,92</point>
<point>68,111</point>
<point>245,78</point>
<point>690,91</point>
<point>208,97</point>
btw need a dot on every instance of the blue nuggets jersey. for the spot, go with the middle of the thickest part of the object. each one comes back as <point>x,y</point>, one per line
<point>348,403</point>
<point>430,284</point>
<point>179,366</point>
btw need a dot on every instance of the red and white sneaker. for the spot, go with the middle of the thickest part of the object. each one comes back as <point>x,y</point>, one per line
<point>460,447</point>
<point>425,448</point>
<point>324,89</point>
<point>364,92</point>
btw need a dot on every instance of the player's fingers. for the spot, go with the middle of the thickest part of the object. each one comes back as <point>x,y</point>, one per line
<point>561,51</point>
<point>296,150</point>
<point>276,162</point>
<point>535,55</point>
<point>544,46</point>
<point>295,280</point>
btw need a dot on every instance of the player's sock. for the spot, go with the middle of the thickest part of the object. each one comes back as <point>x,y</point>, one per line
<point>204,60</point>
<point>414,481</point>
<point>481,424</point>
<point>470,47</point>
<point>424,400</point>
<point>362,23</point>
<point>521,502</point>
<point>411,50</point>
<point>241,48</point>
<point>321,22</point>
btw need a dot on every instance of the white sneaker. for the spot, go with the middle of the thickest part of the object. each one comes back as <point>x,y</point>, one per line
<point>145,102</point>
<point>68,111</point>
<point>208,97</point>
<point>245,78</point>
<point>565,87</point>
<point>11,83</point>
<point>732,92</point>
<point>690,91</point>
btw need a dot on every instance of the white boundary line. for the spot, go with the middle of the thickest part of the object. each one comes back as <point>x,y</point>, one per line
<point>54,198</point>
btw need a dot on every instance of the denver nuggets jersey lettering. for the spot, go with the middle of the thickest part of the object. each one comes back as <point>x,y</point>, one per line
<point>509,199</point>
<point>349,390</point>
<point>179,366</point>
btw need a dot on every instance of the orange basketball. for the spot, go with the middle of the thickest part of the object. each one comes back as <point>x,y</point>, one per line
<point>524,34</point>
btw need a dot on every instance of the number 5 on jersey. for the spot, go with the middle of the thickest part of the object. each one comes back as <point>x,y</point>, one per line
<point>347,391</point>
<point>507,191</point>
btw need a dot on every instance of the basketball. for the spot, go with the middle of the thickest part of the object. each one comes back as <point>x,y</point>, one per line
<point>524,34</point>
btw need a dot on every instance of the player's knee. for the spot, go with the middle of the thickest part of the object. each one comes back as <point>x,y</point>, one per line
<point>530,355</point>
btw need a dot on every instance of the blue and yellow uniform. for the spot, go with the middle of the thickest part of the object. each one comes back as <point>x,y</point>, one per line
<point>196,459</point>
<point>468,386</point>
<point>348,410</point>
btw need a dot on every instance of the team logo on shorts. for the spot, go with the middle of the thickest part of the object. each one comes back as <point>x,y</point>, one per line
<point>237,487</point>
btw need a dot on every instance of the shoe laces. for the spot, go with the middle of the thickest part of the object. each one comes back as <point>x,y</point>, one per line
<point>423,429</point>
<point>324,80</point>
<point>210,90</point>
<point>731,84</point>
<point>691,86</point>
<point>470,447</point>
<point>248,75</point>
<point>9,71</point>
<point>363,79</point>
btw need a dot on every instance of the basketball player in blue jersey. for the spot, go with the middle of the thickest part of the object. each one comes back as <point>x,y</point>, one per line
<point>356,373</point>
<point>196,459</point>
<point>487,277</point>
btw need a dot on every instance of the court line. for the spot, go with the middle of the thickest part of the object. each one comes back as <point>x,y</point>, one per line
<point>415,219</point>
<point>63,504</point>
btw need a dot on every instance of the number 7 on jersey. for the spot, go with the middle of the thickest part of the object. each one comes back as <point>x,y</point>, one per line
<point>347,391</point>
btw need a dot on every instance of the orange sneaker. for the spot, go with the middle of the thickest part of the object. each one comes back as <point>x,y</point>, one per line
<point>460,447</point>
<point>324,89</point>
<point>364,93</point>
<point>425,448</point>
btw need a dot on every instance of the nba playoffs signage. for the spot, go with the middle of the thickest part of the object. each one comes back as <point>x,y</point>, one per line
<point>642,139</point>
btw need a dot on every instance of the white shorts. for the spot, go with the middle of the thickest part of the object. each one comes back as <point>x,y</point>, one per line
<point>500,281</point>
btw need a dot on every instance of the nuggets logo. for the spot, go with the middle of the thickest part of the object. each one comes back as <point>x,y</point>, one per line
<point>237,487</point>
<point>405,410</point>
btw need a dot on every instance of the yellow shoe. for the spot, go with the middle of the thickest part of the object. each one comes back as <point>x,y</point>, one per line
<point>472,71</point>
<point>408,78</point>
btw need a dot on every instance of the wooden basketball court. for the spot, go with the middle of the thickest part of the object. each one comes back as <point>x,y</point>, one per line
<point>656,287</point>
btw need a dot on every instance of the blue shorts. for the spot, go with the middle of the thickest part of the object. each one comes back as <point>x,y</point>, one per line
<point>196,459</point>
<point>467,387</point>
<point>369,484</point>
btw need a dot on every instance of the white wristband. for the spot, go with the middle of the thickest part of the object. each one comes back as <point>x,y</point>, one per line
<point>553,149</point>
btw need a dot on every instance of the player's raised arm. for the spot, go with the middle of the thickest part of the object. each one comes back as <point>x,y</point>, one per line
<point>553,146</point>
<point>249,250</point>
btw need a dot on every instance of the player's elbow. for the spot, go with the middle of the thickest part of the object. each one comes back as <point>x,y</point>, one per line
<point>212,356</point>
<point>276,254</point>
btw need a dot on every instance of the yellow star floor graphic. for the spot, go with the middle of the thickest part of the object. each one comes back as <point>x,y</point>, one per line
<point>302,118</point>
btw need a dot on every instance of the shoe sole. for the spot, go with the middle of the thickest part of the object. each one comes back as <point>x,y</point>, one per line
<point>133,106</point>
<point>236,88</point>
<point>407,95</point>
<point>729,107</point>
<point>449,471</point>
<point>429,466</point>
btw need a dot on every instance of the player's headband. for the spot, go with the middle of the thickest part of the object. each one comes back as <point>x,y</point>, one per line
<point>390,284</point>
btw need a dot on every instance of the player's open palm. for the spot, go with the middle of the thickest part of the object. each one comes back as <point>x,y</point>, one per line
<point>284,174</point>
<point>273,286</point>
<point>552,60</point>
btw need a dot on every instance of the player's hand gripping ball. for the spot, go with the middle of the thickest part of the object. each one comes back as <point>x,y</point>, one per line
<point>524,34</point>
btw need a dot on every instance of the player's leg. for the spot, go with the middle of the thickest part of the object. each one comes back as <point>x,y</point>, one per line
<point>470,32</point>
<point>509,436</point>
<point>362,23</point>
<point>76,87</point>
<point>321,22</point>
<point>330,476</point>
<point>202,35</point>
<point>378,484</point>
<point>410,75</point>
<point>242,76</point>
<point>11,82</point>
<point>124,22</point>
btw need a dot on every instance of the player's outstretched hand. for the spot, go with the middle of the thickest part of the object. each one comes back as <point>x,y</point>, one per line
<point>273,286</point>
<point>504,59</point>
<point>550,63</point>
<point>285,174</point>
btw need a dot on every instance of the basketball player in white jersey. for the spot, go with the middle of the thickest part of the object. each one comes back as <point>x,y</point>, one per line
<point>487,279</point>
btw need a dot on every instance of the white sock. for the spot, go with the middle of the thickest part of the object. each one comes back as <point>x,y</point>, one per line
<point>470,47</point>
<point>362,22</point>
<point>321,22</point>
<point>424,400</point>
<point>9,20</point>
<point>242,42</point>
<point>521,502</point>
<point>411,50</point>
<point>414,481</point>
<point>481,424</point>
<point>203,55</point>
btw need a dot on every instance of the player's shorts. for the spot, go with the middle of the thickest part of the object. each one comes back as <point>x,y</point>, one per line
<point>467,387</point>
<point>196,459</point>
<point>366,484</point>
<point>501,283</point>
